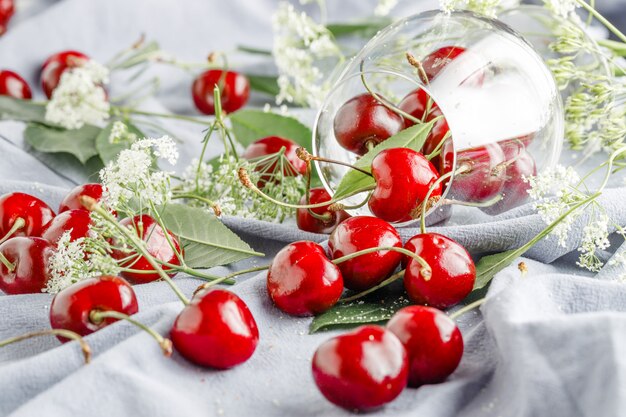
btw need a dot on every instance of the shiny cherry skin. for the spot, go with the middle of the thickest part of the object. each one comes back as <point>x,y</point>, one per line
<point>74,221</point>
<point>149,230</point>
<point>485,178</point>
<point>453,271</point>
<point>71,307</point>
<point>432,341</point>
<point>36,214</point>
<point>434,62</point>
<point>363,121</point>
<point>271,145</point>
<point>216,330</point>
<point>308,223</point>
<point>519,165</point>
<point>72,200</point>
<point>12,85</point>
<point>361,370</point>
<point>302,281</point>
<point>362,232</point>
<point>7,9</point>
<point>403,178</point>
<point>234,88</point>
<point>54,67</point>
<point>29,256</point>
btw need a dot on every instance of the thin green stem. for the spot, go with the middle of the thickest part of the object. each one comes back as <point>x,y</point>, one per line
<point>17,225</point>
<point>204,148</point>
<point>384,283</point>
<point>216,207</point>
<point>426,271</point>
<point>229,276</point>
<point>191,119</point>
<point>8,264</point>
<point>467,308</point>
<point>426,199</point>
<point>68,334</point>
<point>194,272</point>
<point>602,20</point>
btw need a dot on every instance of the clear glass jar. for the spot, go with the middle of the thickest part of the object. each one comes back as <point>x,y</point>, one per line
<point>496,106</point>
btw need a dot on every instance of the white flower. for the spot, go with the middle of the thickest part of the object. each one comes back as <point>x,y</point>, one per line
<point>120,133</point>
<point>488,8</point>
<point>595,237</point>
<point>563,8</point>
<point>384,7</point>
<point>80,98</point>
<point>619,260</point>
<point>556,181</point>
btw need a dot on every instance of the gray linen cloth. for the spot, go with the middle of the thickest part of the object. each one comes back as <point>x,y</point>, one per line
<point>551,343</point>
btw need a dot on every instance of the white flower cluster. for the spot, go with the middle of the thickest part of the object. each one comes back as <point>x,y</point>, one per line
<point>488,8</point>
<point>595,237</point>
<point>563,8</point>
<point>299,45</point>
<point>80,98</point>
<point>619,260</point>
<point>384,7</point>
<point>131,174</point>
<point>121,134</point>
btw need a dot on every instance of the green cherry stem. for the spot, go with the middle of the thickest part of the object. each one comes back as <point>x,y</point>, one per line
<point>98,316</point>
<point>426,271</point>
<point>8,264</point>
<point>384,283</point>
<point>303,154</point>
<point>467,308</point>
<point>214,206</point>
<point>194,272</point>
<point>68,334</point>
<point>230,276</point>
<point>17,225</point>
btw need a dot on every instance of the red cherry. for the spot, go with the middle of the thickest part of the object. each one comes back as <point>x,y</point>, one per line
<point>55,65</point>
<point>29,272</point>
<point>272,145</point>
<point>302,281</point>
<point>453,271</point>
<point>75,221</point>
<point>72,199</point>
<point>361,370</point>
<point>308,223</point>
<point>7,9</point>
<point>12,85</point>
<point>432,340</point>
<point>234,88</point>
<point>519,164</point>
<point>35,213</point>
<point>485,178</point>
<point>71,307</point>
<point>439,59</point>
<point>359,233</point>
<point>403,178</point>
<point>151,232</point>
<point>216,330</point>
<point>363,121</point>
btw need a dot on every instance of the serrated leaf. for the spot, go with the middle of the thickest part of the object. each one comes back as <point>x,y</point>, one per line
<point>490,265</point>
<point>78,142</point>
<point>412,137</point>
<point>251,125</point>
<point>366,29</point>
<point>108,151</point>
<point>23,110</point>
<point>264,83</point>
<point>207,241</point>
<point>359,312</point>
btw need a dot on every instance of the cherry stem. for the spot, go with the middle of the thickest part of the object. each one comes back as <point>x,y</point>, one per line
<point>92,205</point>
<point>8,264</point>
<point>229,276</point>
<point>17,225</point>
<point>426,271</point>
<point>215,206</point>
<point>414,62</point>
<point>195,273</point>
<point>98,316</point>
<point>303,154</point>
<point>205,142</point>
<point>324,218</point>
<point>340,206</point>
<point>244,178</point>
<point>384,283</point>
<point>439,146</point>
<point>467,308</point>
<point>68,334</point>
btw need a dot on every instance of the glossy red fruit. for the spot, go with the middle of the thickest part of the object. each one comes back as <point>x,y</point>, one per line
<point>234,88</point>
<point>72,199</point>
<point>55,65</point>
<point>74,221</point>
<point>308,223</point>
<point>432,341</point>
<point>519,165</point>
<point>216,330</point>
<point>302,281</point>
<point>269,146</point>
<point>12,85</point>
<point>486,176</point>
<point>29,272</point>
<point>434,62</point>
<point>403,178</point>
<point>453,271</point>
<point>358,233</point>
<point>361,370</point>
<point>71,307</point>
<point>158,246</point>
<point>7,9</point>
<point>363,121</point>
<point>35,213</point>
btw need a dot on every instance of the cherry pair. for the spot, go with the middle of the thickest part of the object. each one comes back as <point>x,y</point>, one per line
<point>234,90</point>
<point>371,365</point>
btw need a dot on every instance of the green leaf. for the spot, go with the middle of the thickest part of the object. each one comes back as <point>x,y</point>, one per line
<point>24,110</point>
<point>79,142</point>
<point>264,83</point>
<point>365,29</point>
<point>206,240</point>
<point>251,125</point>
<point>358,312</point>
<point>490,265</point>
<point>108,151</point>
<point>412,137</point>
